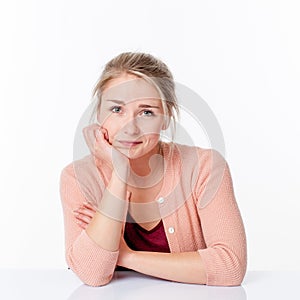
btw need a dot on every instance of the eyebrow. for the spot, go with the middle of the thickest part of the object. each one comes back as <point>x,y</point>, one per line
<point>141,105</point>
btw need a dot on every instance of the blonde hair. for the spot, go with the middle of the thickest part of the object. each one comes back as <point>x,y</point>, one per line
<point>150,69</point>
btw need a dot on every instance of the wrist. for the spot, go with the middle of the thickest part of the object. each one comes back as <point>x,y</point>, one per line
<point>130,259</point>
<point>121,174</point>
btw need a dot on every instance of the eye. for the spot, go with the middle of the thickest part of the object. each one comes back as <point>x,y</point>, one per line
<point>116,109</point>
<point>147,113</point>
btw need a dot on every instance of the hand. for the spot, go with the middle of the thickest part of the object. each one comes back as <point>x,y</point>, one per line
<point>84,214</point>
<point>125,254</point>
<point>98,142</point>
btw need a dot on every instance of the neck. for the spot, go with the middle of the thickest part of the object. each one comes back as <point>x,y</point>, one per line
<point>141,165</point>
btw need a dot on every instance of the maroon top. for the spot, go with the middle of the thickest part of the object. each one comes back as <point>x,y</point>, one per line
<point>140,239</point>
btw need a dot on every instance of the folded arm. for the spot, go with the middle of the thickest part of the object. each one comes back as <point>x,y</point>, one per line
<point>91,257</point>
<point>184,267</point>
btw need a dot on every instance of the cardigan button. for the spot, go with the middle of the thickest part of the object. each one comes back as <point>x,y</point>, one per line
<point>171,230</point>
<point>161,200</point>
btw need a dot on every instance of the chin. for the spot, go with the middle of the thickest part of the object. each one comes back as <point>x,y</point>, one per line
<point>131,154</point>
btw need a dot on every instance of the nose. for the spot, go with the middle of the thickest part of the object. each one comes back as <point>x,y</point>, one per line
<point>131,127</point>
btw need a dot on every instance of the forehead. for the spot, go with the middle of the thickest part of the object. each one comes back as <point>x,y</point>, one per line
<point>129,88</point>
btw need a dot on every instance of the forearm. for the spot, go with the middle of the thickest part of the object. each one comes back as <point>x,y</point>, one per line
<point>184,267</point>
<point>105,227</point>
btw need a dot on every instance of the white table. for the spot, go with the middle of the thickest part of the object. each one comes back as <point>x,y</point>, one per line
<point>63,284</point>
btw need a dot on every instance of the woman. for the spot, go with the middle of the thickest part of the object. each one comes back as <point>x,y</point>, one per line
<point>160,208</point>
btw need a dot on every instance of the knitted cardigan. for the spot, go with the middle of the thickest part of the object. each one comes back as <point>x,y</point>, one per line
<point>196,203</point>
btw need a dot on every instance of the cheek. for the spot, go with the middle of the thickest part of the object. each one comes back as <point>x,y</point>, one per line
<point>152,126</point>
<point>153,139</point>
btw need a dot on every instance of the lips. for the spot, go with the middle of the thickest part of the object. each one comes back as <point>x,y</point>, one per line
<point>130,143</point>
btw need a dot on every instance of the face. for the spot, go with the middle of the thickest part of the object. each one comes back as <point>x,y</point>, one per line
<point>131,111</point>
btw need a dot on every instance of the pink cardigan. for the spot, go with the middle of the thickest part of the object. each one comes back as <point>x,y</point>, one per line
<point>197,206</point>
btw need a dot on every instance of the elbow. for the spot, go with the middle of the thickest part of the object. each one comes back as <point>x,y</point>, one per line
<point>93,265</point>
<point>234,279</point>
<point>233,275</point>
<point>92,277</point>
<point>227,278</point>
<point>95,282</point>
<point>224,268</point>
<point>239,268</point>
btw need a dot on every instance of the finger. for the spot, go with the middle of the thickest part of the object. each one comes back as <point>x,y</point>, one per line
<point>86,211</point>
<point>89,209</point>
<point>94,135</point>
<point>90,206</point>
<point>83,218</point>
<point>102,134</point>
<point>89,133</point>
<point>81,224</point>
<point>105,133</point>
<point>89,129</point>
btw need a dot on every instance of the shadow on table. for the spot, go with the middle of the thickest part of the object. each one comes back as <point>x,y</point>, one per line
<point>132,285</point>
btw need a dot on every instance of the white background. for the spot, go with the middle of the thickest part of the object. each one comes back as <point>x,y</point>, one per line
<point>241,57</point>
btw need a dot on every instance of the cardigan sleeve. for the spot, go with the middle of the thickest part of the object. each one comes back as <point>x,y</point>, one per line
<point>91,263</point>
<point>225,255</point>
